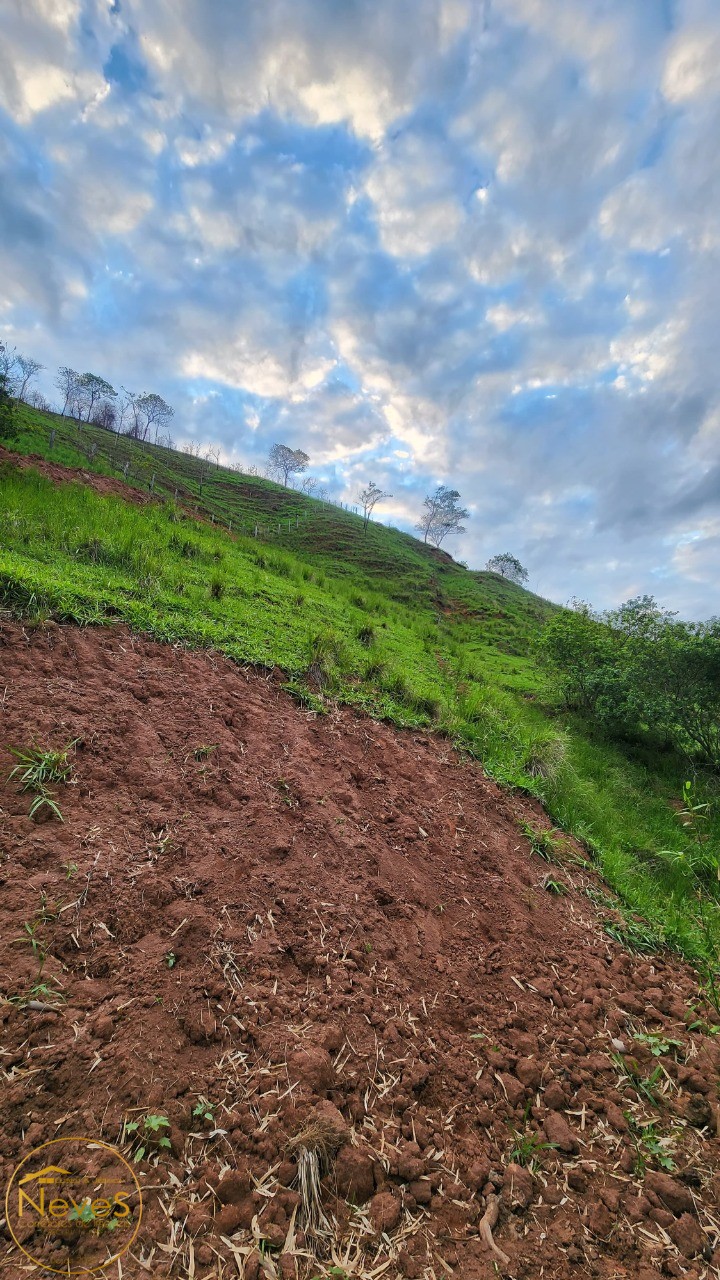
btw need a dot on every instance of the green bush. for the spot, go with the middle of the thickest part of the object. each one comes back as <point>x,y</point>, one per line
<point>8,425</point>
<point>640,672</point>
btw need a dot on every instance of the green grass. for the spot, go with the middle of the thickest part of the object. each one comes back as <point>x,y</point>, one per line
<point>376,620</point>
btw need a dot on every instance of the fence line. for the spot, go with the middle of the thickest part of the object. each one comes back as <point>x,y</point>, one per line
<point>254,528</point>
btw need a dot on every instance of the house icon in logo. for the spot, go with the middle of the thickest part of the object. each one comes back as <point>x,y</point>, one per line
<point>47,1176</point>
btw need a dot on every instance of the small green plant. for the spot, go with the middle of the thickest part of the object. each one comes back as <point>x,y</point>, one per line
<point>70,869</point>
<point>700,1023</point>
<point>31,934</point>
<point>85,1216</point>
<point>44,801</point>
<point>634,935</point>
<point>527,1145</point>
<point>543,843</point>
<point>205,750</point>
<point>83,1213</point>
<point>650,1147</point>
<point>171,959</point>
<point>46,992</point>
<point>39,989</point>
<point>286,794</point>
<point>658,1045</point>
<point>646,1086</point>
<point>147,1136</point>
<point>601,898</point>
<point>204,1110</point>
<point>36,770</point>
<point>555,886</point>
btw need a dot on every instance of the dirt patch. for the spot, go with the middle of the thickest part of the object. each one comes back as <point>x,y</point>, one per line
<point>67,475</point>
<point>322,944</point>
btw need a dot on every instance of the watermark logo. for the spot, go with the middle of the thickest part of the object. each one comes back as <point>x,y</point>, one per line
<point>73,1206</point>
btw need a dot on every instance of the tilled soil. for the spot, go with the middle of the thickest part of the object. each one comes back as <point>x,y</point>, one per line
<point>298,937</point>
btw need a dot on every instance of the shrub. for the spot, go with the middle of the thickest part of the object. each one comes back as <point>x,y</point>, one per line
<point>8,423</point>
<point>639,671</point>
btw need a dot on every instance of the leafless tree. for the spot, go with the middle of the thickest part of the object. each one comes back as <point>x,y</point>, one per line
<point>27,370</point>
<point>37,401</point>
<point>123,413</point>
<point>284,462</point>
<point>368,499</point>
<point>67,382</point>
<point>9,359</point>
<point>105,415</point>
<point>309,484</point>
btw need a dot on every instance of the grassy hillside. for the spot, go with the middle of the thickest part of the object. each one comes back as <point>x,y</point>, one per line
<point>376,620</point>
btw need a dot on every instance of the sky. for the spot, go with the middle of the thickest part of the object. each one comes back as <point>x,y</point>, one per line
<point>468,242</point>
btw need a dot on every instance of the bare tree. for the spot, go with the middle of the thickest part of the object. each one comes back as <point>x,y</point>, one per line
<point>122,412</point>
<point>37,401</point>
<point>131,411</point>
<point>284,462</point>
<point>309,484</point>
<point>105,415</point>
<point>28,369</point>
<point>368,499</point>
<point>442,516</point>
<point>9,368</point>
<point>67,383</point>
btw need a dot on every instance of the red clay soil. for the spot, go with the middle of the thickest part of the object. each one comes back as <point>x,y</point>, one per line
<point>66,475</point>
<point>299,937</point>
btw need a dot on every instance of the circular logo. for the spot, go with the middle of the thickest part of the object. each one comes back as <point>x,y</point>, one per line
<point>73,1205</point>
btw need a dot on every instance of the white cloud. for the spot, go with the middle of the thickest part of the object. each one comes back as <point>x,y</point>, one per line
<point>210,147</point>
<point>425,235</point>
<point>360,68</point>
<point>692,69</point>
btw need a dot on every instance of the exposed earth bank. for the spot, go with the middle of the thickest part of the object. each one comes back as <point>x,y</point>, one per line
<point>298,937</point>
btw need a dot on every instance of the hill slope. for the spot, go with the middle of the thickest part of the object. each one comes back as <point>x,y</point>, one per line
<point>376,620</point>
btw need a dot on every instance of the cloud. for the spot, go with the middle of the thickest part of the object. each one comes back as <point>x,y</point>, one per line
<point>462,241</point>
